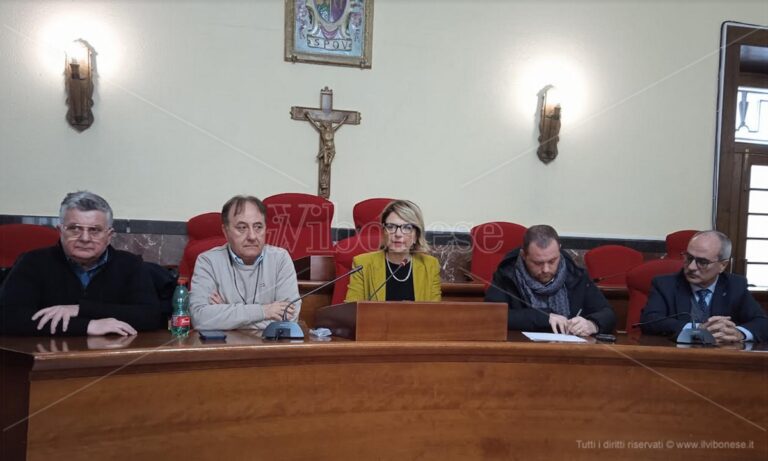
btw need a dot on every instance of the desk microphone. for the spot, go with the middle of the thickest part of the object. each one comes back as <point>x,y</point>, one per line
<point>604,277</point>
<point>291,330</point>
<point>695,335</point>
<point>399,266</point>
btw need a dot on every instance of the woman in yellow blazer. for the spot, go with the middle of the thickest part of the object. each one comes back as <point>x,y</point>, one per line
<point>402,270</point>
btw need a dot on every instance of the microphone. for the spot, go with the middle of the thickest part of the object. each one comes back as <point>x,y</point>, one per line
<point>399,266</point>
<point>291,330</point>
<point>648,322</point>
<point>604,277</point>
<point>695,335</point>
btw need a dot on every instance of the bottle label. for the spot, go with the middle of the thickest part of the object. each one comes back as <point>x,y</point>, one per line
<point>180,321</point>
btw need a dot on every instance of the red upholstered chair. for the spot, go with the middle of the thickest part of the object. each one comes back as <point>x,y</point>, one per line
<point>366,215</point>
<point>490,242</point>
<point>369,211</point>
<point>639,284</point>
<point>677,242</point>
<point>300,223</point>
<point>608,264</point>
<point>204,232</point>
<point>16,239</point>
<point>367,240</point>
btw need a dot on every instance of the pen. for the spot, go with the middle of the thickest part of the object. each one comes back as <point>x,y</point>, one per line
<point>568,329</point>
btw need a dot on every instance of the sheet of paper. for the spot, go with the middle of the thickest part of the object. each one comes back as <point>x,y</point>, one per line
<point>553,337</point>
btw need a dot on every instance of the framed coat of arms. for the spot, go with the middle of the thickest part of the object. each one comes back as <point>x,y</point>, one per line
<point>336,32</point>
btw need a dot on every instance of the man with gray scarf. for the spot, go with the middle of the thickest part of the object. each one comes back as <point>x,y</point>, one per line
<point>545,290</point>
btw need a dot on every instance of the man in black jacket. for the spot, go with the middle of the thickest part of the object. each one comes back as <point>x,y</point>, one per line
<point>703,292</point>
<point>545,290</point>
<point>81,285</point>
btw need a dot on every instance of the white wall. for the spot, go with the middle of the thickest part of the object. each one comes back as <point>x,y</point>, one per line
<point>193,98</point>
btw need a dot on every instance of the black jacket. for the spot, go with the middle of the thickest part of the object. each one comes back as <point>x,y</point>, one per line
<point>582,294</point>
<point>122,289</point>
<point>671,296</point>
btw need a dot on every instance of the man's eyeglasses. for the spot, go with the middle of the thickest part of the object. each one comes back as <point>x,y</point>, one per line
<point>76,231</point>
<point>701,263</point>
<point>391,228</point>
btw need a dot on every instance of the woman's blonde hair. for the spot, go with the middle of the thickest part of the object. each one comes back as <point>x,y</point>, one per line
<point>411,213</point>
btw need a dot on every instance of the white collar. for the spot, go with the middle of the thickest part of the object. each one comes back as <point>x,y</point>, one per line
<point>240,261</point>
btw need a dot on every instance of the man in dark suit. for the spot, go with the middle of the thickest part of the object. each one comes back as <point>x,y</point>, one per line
<point>703,293</point>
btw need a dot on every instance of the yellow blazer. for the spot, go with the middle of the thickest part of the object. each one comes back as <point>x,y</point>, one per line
<point>362,284</point>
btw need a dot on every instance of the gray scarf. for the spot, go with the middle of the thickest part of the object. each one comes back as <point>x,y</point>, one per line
<point>552,297</point>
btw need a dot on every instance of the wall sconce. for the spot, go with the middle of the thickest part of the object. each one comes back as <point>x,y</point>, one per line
<point>549,124</point>
<point>78,73</point>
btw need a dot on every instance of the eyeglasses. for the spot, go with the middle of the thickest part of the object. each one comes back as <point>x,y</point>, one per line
<point>406,228</point>
<point>701,263</point>
<point>76,231</point>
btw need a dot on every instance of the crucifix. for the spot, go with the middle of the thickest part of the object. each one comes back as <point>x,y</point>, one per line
<point>326,122</point>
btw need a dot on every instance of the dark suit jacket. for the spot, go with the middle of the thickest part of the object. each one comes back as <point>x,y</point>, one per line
<point>671,295</point>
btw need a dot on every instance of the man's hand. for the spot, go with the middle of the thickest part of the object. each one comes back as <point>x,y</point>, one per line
<point>580,326</point>
<point>110,325</point>
<point>54,314</point>
<point>274,311</point>
<point>558,323</point>
<point>723,329</point>
<point>216,298</point>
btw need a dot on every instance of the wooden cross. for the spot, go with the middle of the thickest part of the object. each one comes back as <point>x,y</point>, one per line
<point>325,121</point>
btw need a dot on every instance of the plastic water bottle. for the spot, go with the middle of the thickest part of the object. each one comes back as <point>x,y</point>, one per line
<point>180,320</point>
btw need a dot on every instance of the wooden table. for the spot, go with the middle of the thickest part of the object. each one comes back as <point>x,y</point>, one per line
<point>155,397</point>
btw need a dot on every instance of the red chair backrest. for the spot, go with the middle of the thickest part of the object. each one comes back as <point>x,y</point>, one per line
<point>677,242</point>
<point>368,240</point>
<point>192,251</point>
<point>204,226</point>
<point>608,264</point>
<point>369,211</point>
<point>490,242</point>
<point>639,284</point>
<point>16,239</point>
<point>300,223</point>
<point>204,232</point>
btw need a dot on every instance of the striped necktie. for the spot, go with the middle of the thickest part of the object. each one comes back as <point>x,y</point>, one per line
<point>702,302</point>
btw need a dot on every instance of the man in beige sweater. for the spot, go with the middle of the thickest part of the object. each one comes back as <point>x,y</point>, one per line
<point>244,284</point>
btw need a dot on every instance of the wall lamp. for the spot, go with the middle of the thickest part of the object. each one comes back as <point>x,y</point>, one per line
<point>549,124</point>
<point>78,73</point>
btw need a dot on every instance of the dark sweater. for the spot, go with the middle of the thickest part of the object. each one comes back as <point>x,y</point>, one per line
<point>582,294</point>
<point>122,289</point>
